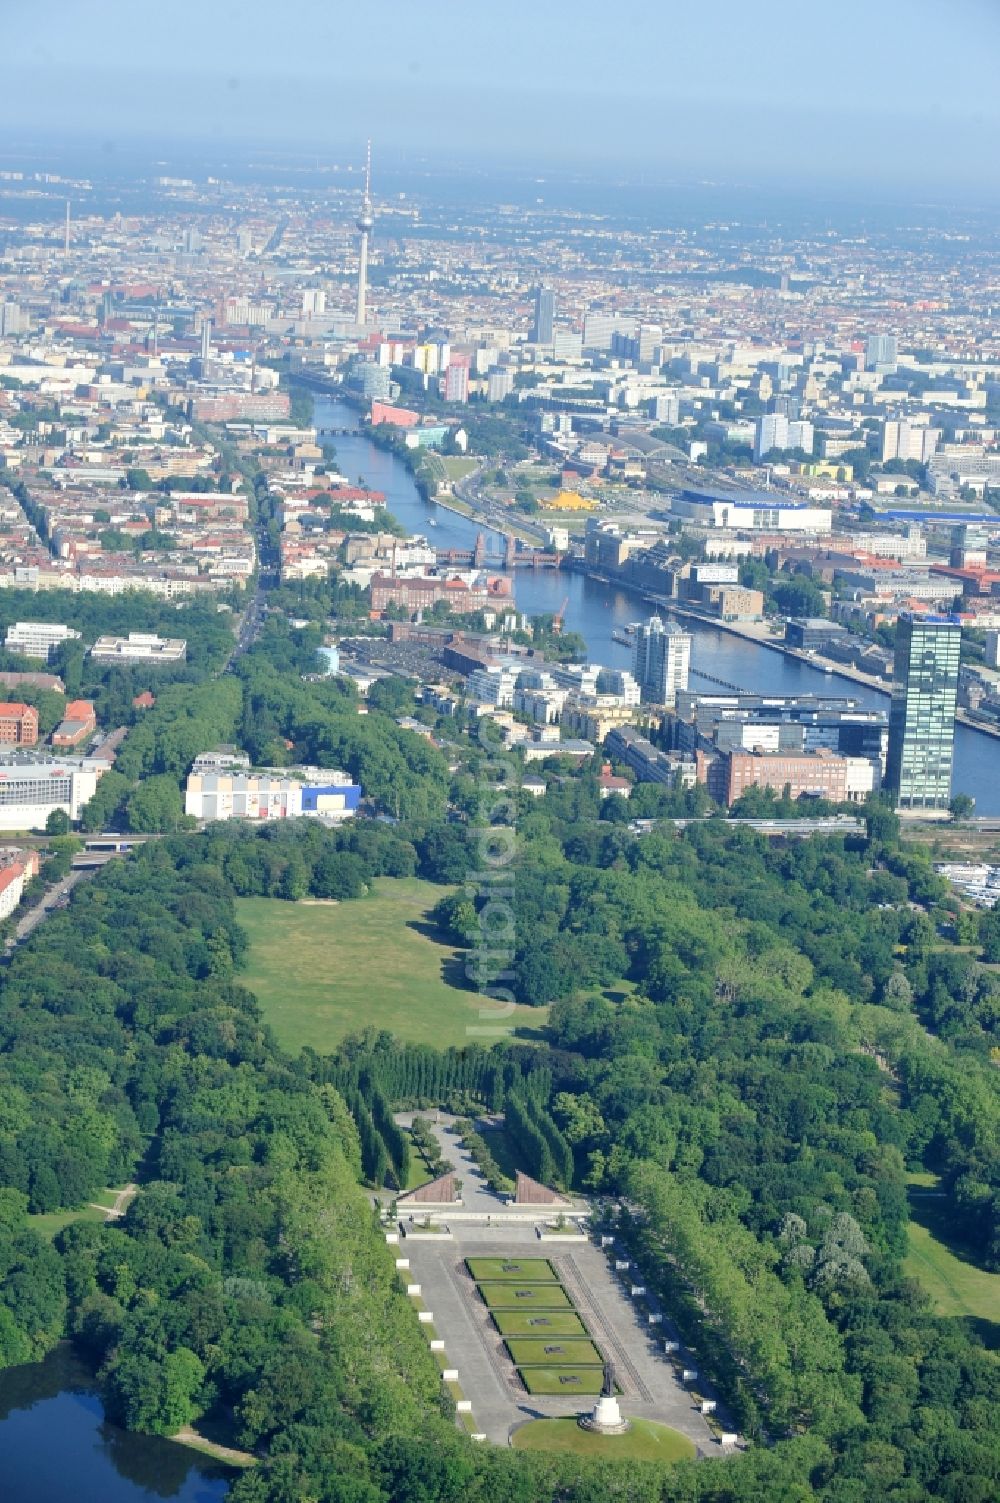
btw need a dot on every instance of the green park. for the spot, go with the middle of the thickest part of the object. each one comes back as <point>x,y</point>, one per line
<point>322,970</point>
<point>644,1441</point>
<point>944,1268</point>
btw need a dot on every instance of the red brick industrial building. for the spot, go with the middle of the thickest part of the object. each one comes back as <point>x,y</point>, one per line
<point>18,724</point>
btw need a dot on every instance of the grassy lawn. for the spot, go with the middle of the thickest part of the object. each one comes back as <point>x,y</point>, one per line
<point>956,1286</point>
<point>524,1270</point>
<point>456,466</point>
<point>562,1380</point>
<point>547,1324</point>
<point>321,971</point>
<point>645,1441</point>
<point>550,1351</point>
<point>49,1224</point>
<point>525,1296</point>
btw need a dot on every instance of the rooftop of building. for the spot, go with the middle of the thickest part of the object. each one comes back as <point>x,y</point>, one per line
<point>708,496</point>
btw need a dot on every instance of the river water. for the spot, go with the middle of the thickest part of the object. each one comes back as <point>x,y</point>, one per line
<point>594,609</point>
<point>57,1447</point>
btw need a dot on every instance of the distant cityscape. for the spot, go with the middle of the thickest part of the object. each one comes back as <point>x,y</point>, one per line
<point>499,749</point>
<point>789,444</point>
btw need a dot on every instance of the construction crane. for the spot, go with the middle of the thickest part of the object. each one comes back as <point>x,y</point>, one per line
<point>557,619</point>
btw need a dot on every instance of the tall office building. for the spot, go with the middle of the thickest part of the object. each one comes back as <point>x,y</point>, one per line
<point>787,405</point>
<point>545,316</point>
<point>667,408</point>
<point>456,383</point>
<point>902,440</point>
<point>500,383</point>
<point>772,433</point>
<point>648,341</point>
<point>776,431</point>
<point>881,353</point>
<point>373,380</point>
<point>12,320</point>
<point>970,545</point>
<point>922,717</point>
<point>661,660</point>
<point>600,328</point>
<point>366,223</point>
<point>313,302</point>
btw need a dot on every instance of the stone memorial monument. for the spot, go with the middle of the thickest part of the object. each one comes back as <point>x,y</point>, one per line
<point>606,1417</point>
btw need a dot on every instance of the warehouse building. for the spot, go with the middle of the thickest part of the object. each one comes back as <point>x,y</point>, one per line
<point>221,787</point>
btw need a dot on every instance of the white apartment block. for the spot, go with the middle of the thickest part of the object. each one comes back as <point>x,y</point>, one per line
<point>139,647</point>
<point>903,440</point>
<point>543,706</point>
<point>776,431</point>
<point>37,639</point>
<point>492,685</point>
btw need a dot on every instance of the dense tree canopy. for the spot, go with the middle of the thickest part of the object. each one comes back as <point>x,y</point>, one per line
<point>748,1047</point>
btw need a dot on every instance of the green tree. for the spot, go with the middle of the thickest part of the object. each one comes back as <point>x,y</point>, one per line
<point>155,805</point>
<point>158,1394</point>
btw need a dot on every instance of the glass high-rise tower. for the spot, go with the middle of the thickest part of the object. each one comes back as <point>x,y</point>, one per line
<point>922,717</point>
<point>545,315</point>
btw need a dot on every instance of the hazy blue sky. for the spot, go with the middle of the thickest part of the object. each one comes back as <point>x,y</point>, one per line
<point>901,91</point>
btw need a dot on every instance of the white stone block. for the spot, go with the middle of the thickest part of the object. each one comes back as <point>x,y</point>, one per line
<point>413,1288</point>
<point>671,1346</point>
<point>437,1345</point>
<point>638,1289</point>
<point>425,1317</point>
<point>478,1435</point>
<point>463,1406</point>
<point>623,1265</point>
<point>392,1238</point>
<point>728,1438</point>
<point>450,1375</point>
<point>607,1241</point>
<point>690,1375</point>
<point>708,1406</point>
<point>402,1262</point>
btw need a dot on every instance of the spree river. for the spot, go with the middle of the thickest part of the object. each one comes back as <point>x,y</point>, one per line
<point>595,609</point>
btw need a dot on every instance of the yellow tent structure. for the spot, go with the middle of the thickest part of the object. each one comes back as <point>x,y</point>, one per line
<point>571,501</point>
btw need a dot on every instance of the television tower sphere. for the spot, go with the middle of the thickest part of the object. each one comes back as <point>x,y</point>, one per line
<point>366,218</point>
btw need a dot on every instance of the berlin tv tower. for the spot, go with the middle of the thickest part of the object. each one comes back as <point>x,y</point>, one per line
<point>365,222</point>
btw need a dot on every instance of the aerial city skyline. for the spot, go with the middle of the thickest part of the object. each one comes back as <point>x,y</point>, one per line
<point>792,430</point>
<point>499,751</point>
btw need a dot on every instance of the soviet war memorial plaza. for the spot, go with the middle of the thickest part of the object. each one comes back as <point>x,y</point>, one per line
<point>537,1316</point>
